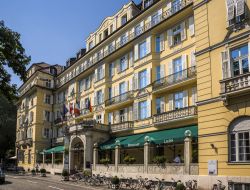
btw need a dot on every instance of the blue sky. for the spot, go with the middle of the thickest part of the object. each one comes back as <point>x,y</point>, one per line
<point>54,30</point>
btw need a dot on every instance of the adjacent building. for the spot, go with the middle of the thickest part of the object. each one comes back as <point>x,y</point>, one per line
<point>160,81</point>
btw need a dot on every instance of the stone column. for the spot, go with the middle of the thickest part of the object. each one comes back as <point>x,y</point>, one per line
<point>187,153</point>
<point>88,150</point>
<point>146,156</point>
<point>43,159</point>
<point>117,157</point>
<point>53,159</point>
<point>95,156</point>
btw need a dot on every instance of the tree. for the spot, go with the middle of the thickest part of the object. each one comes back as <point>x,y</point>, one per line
<point>12,55</point>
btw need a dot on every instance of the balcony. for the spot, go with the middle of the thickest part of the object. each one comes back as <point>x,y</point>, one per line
<point>58,140</point>
<point>124,126</point>
<point>120,99</point>
<point>235,85</point>
<point>183,76</point>
<point>161,18</point>
<point>178,114</point>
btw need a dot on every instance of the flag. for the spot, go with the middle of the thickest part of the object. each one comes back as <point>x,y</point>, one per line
<point>72,92</point>
<point>77,108</point>
<point>71,108</point>
<point>65,110</point>
<point>89,107</point>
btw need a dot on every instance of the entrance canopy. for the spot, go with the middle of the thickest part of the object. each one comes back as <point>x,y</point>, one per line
<point>58,149</point>
<point>158,137</point>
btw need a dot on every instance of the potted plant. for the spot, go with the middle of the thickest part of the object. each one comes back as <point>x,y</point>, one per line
<point>105,161</point>
<point>180,186</point>
<point>87,173</point>
<point>115,182</point>
<point>65,175</point>
<point>159,160</point>
<point>129,159</point>
<point>33,172</point>
<point>43,172</point>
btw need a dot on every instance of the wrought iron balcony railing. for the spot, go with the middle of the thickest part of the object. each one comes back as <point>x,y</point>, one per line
<point>175,114</point>
<point>120,98</point>
<point>175,78</point>
<point>126,125</point>
<point>235,84</point>
<point>161,17</point>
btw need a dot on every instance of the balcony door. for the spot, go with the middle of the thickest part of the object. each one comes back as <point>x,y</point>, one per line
<point>177,67</point>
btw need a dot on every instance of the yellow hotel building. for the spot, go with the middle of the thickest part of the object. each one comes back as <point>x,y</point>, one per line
<point>159,81</point>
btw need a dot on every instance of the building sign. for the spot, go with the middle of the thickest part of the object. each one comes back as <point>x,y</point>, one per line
<point>166,141</point>
<point>212,167</point>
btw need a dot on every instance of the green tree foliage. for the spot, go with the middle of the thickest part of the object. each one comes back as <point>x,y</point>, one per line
<point>7,127</point>
<point>12,55</point>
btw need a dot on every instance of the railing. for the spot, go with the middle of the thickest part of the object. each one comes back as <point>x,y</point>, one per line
<point>127,125</point>
<point>60,120</point>
<point>88,124</point>
<point>175,114</point>
<point>120,98</point>
<point>165,15</point>
<point>235,83</point>
<point>58,140</point>
<point>175,78</point>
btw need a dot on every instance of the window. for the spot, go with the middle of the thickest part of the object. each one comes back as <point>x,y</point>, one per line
<point>99,118</point>
<point>155,19</point>
<point>236,12</point>
<point>47,116</point>
<point>91,45</point>
<point>111,28</point>
<point>143,110</point>
<point>158,44</point>
<point>111,48</point>
<point>142,49</point>
<point>158,72</point>
<point>124,19</point>
<point>52,70</point>
<point>111,70</point>
<point>177,34</point>
<point>110,118</point>
<point>177,68</point>
<point>123,65</point>
<point>124,39</point>
<point>46,132</point>
<point>240,140</point>
<point>80,85</point>
<point>87,83</point>
<point>147,3</point>
<point>158,105</point>
<point>122,115</point>
<point>48,83</point>
<point>239,59</point>
<point>99,73</point>
<point>143,79</point>
<point>110,92</point>
<point>239,186</point>
<point>99,97</point>
<point>47,99</point>
<point>178,100</point>
<point>105,33</point>
<point>122,88</point>
<point>176,6</point>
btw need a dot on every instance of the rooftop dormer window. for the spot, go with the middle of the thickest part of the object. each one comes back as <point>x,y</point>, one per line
<point>111,28</point>
<point>148,3</point>
<point>105,33</point>
<point>91,45</point>
<point>124,19</point>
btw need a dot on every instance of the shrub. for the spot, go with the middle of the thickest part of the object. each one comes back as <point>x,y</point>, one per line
<point>87,173</point>
<point>115,180</point>
<point>43,171</point>
<point>65,173</point>
<point>33,171</point>
<point>105,161</point>
<point>180,186</point>
<point>129,159</point>
<point>159,160</point>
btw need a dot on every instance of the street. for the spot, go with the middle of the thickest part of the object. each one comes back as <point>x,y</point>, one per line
<point>39,183</point>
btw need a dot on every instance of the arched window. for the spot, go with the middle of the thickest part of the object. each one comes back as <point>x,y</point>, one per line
<point>240,140</point>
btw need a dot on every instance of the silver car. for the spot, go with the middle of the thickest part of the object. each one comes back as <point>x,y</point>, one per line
<point>2,176</point>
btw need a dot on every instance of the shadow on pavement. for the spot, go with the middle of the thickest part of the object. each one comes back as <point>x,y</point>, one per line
<point>6,183</point>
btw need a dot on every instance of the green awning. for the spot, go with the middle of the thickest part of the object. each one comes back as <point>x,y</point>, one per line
<point>158,137</point>
<point>58,149</point>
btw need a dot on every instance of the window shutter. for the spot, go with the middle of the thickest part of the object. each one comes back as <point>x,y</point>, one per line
<point>95,98</point>
<point>96,74</point>
<point>169,6</point>
<point>170,68</point>
<point>136,52</point>
<point>51,99</point>
<point>130,115</point>
<point>102,96</point>
<point>112,69</point>
<point>142,27</point>
<point>184,62</point>
<point>118,68</point>
<point>130,84</point>
<point>103,70</point>
<point>149,107</point>
<point>191,25</point>
<point>44,98</point>
<point>103,118</point>
<point>126,61</point>
<point>240,7</point>
<point>171,102</point>
<point>162,104</point>
<point>226,71</point>
<point>52,83</point>
<point>50,116</point>
<point>193,61</point>
<point>162,71</point>
<point>194,95</point>
<point>126,114</point>
<point>185,98</point>
<point>160,14</point>
<point>148,44</point>
<point>162,42</point>
<point>84,87</point>
<point>135,81</point>
<point>112,117</point>
<point>126,86</point>
<point>135,111</point>
<point>183,31</point>
<point>44,116</point>
<point>133,31</point>
<point>117,118</point>
<point>148,76</point>
<point>131,60</point>
<point>149,24</point>
<point>230,9</point>
<point>170,37</point>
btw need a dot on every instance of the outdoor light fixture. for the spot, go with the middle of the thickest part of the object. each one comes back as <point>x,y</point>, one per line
<point>212,145</point>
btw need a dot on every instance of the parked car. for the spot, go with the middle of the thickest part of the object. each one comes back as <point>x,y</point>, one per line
<point>2,176</point>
